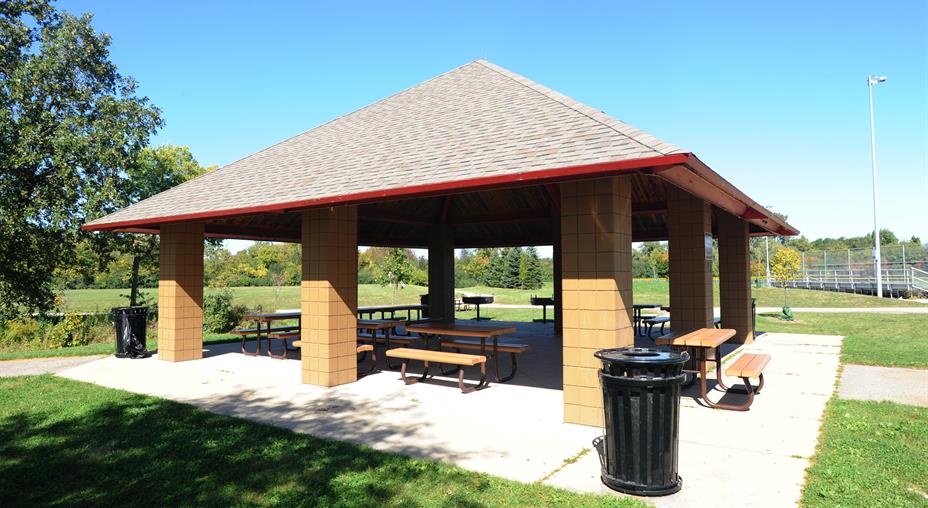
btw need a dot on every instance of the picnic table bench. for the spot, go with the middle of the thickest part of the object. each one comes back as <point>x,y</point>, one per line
<point>502,347</point>
<point>427,355</point>
<point>703,344</point>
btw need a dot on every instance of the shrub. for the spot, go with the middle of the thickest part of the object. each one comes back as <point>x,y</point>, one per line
<point>21,332</point>
<point>220,314</point>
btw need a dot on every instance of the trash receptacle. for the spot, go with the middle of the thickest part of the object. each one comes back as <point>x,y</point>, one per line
<point>641,395</point>
<point>130,324</point>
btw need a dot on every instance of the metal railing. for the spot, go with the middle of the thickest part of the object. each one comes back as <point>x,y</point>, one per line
<point>919,279</point>
<point>895,280</point>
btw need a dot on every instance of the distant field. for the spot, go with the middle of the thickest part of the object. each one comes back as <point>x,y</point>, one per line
<point>645,291</point>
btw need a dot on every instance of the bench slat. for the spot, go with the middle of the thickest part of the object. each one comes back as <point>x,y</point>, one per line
<point>748,365</point>
<point>436,356</point>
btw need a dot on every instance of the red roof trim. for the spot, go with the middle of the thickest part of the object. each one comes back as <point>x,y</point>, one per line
<point>483,183</point>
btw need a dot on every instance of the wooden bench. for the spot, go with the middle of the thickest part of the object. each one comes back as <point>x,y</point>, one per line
<point>440,357</point>
<point>747,366</point>
<point>503,347</point>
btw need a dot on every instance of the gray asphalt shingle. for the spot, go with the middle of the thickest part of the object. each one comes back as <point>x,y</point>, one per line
<point>478,120</point>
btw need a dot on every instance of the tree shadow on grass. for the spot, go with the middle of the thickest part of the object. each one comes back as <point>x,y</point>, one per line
<point>81,447</point>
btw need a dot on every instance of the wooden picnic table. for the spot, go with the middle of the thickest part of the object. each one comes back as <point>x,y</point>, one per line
<point>267,318</point>
<point>370,310</point>
<point>437,330</point>
<point>699,343</point>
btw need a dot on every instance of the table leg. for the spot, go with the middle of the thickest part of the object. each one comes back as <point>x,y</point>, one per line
<point>718,368</point>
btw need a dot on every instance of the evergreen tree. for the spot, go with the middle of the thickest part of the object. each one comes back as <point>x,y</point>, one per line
<point>495,270</point>
<point>511,265</point>
<point>534,275</point>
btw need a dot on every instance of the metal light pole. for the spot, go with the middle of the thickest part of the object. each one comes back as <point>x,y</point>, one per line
<point>873,80</point>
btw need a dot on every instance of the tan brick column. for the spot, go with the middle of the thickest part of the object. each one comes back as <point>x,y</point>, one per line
<point>329,296</point>
<point>596,287</point>
<point>180,293</point>
<point>689,220</point>
<point>735,276</point>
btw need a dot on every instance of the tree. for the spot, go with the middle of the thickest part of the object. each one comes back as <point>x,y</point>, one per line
<point>784,267</point>
<point>511,264</point>
<point>158,169</point>
<point>496,269</point>
<point>397,269</point>
<point>534,275</point>
<point>70,128</point>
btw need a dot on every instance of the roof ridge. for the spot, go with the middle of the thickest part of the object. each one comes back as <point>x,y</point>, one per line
<point>571,104</point>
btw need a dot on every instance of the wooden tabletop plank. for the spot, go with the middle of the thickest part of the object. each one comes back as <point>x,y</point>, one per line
<point>702,337</point>
<point>459,330</point>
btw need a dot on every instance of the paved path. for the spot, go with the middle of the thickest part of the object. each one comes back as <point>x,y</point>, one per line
<point>36,366</point>
<point>865,382</point>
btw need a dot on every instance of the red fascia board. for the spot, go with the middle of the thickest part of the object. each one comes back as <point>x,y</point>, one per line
<point>469,185</point>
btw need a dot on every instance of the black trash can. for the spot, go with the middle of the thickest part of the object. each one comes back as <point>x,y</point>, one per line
<point>130,324</point>
<point>641,395</point>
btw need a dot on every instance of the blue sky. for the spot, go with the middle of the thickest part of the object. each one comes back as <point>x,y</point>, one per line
<point>773,97</point>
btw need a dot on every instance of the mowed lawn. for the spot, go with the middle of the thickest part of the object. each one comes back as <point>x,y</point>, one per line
<point>67,443</point>
<point>891,340</point>
<point>870,454</point>
<point>645,291</point>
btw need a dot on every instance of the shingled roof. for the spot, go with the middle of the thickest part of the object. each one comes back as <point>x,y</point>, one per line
<point>475,125</point>
<point>475,121</point>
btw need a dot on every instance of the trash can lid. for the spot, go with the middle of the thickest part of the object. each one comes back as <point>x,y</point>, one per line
<point>640,355</point>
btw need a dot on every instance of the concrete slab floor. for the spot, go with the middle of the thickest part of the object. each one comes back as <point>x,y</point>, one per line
<point>515,430</point>
<point>865,382</point>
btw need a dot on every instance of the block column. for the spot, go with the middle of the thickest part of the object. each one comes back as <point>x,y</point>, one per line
<point>735,276</point>
<point>596,260</point>
<point>441,272</point>
<point>689,225</point>
<point>329,296</point>
<point>180,292</point>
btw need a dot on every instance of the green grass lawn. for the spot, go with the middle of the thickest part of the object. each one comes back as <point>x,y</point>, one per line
<point>892,340</point>
<point>645,291</point>
<point>64,442</point>
<point>870,454</point>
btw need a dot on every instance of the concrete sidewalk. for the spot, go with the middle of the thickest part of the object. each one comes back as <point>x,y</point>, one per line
<point>36,366</point>
<point>516,430</point>
<point>866,382</point>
